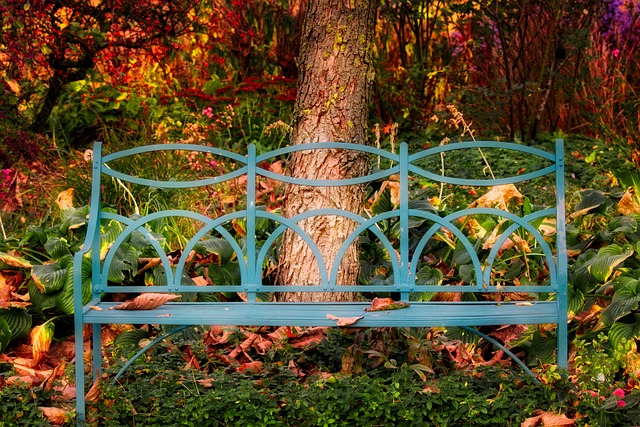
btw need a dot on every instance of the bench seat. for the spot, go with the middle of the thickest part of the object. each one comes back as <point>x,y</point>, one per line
<point>315,314</point>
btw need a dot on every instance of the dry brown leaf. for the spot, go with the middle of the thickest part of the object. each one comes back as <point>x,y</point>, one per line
<point>381,304</point>
<point>499,196</point>
<point>200,281</point>
<point>146,301</point>
<point>628,205</point>
<point>344,321</point>
<point>94,392</point>
<point>547,419</point>
<point>252,367</point>
<point>56,416</point>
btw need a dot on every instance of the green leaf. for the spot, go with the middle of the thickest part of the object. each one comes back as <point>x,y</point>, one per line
<point>74,218</point>
<point>607,259</point>
<point>124,261</point>
<point>591,199</point>
<point>457,333</point>
<point>126,343</point>
<point>576,300</point>
<point>49,277</point>
<point>621,331</point>
<point>40,300</point>
<point>626,298</point>
<point>228,274</point>
<point>19,321</point>
<point>5,334</point>
<point>57,247</point>
<point>542,349</point>
<point>64,298</point>
<point>383,203</point>
<point>429,276</point>
<point>215,245</point>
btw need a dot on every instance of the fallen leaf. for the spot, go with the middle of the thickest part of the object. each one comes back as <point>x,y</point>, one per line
<point>146,301</point>
<point>95,307</point>
<point>381,304</point>
<point>344,321</point>
<point>547,419</point>
<point>251,367</point>
<point>499,196</point>
<point>94,392</point>
<point>56,416</point>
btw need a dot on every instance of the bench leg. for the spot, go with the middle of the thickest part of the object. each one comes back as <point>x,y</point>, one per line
<point>79,348</point>
<point>97,352</point>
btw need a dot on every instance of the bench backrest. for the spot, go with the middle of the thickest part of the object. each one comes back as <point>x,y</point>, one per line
<point>536,234</point>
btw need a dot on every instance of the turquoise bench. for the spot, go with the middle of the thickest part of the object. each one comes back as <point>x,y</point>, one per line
<point>483,296</point>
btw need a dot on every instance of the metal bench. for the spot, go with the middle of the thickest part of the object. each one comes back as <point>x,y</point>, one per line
<point>482,296</point>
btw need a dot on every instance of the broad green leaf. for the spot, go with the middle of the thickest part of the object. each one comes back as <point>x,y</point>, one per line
<point>591,199</point>
<point>49,277</point>
<point>429,276</point>
<point>57,247</point>
<point>383,203</point>
<point>542,349</point>
<point>126,343</point>
<point>460,255</point>
<point>35,236</point>
<point>621,331</point>
<point>124,261</point>
<point>40,300</point>
<point>607,259</point>
<point>467,273</point>
<point>623,224</point>
<point>422,205</point>
<point>159,277</point>
<point>74,218</point>
<point>215,245</point>
<point>64,298</point>
<point>580,277</point>
<point>19,321</point>
<point>5,334</point>
<point>576,300</point>
<point>467,337</point>
<point>228,274</point>
<point>626,298</point>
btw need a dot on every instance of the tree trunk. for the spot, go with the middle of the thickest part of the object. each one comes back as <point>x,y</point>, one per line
<point>336,73</point>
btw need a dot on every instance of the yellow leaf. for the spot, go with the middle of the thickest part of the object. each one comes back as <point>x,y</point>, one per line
<point>41,337</point>
<point>13,261</point>
<point>628,205</point>
<point>65,199</point>
<point>499,196</point>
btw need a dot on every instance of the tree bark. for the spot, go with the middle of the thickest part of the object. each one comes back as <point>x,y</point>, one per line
<point>336,74</point>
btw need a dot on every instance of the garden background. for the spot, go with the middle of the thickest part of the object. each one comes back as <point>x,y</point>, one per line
<point>223,73</point>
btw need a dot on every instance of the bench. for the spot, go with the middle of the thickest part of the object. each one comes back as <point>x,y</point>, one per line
<point>236,287</point>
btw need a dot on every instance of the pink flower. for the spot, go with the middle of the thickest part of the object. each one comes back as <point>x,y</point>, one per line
<point>621,404</point>
<point>592,393</point>
<point>615,52</point>
<point>619,393</point>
